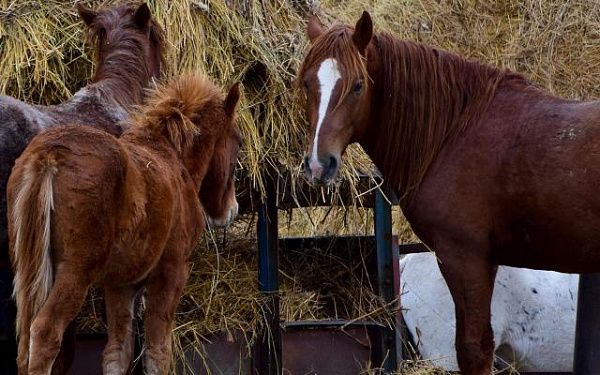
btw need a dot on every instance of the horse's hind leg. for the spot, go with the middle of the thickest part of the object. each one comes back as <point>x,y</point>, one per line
<point>47,329</point>
<point>470,279</point>
<point>119,310</point>
<point>163,291</point>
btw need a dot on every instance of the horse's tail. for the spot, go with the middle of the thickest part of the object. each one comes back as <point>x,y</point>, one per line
<point>30,230</point>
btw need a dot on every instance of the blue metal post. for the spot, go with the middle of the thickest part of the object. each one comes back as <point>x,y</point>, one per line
<point>385,274</point>
<point>268,351</point>
<point>587,332</point>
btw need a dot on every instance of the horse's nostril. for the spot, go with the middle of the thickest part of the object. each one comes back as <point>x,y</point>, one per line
<point>332,162</point>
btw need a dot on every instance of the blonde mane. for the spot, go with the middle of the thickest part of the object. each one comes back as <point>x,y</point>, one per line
<point>176,109</point>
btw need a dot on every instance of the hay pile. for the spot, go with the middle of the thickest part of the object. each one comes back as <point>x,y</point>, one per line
<point>555,43</point>
<point>43,59</point>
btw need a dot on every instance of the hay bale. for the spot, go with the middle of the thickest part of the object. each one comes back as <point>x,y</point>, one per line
<point>555,43</point>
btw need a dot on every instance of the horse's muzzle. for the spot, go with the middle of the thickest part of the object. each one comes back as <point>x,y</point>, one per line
<point>227,219</point>
<point>322,171</point>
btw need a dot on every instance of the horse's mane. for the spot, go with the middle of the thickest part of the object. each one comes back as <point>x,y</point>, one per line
<point>430,97</point>
<point>127,63</point>
<point>424,98</point>
<point>181,109</point>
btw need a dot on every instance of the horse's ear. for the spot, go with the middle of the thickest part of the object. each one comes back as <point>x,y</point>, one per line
<point>232,99</point>
<point>314,28</point>
<point>142,16</point>
<point>87,15</point>
<point>363,32</point>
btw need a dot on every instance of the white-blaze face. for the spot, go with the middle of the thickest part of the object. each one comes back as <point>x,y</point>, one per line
<point>328,76</point>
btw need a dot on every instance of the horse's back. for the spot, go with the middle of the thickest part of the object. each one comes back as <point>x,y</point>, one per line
<point>547,185</point>
<point>88,173</point>
<point>517,185</point>
<point>533,315</point>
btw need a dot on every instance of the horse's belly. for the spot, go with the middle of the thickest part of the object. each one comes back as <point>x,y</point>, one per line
<point>570,250</point>
<point>131,264</point>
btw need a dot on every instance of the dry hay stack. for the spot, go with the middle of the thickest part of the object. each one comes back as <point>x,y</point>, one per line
<point>43,60</point>
<point>556,43</point>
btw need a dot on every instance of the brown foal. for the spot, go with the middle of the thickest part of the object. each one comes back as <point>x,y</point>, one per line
<point>124,213</point>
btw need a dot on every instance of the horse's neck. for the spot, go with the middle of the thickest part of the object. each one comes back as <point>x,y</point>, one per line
<point>121,78</point>
<point>423,98</point>
<point>96,96</point>
<point>145,138</point>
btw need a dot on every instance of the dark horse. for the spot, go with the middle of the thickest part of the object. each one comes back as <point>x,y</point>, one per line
<point>128,51</point>
<point>491,170</point>
<point>124,213</point>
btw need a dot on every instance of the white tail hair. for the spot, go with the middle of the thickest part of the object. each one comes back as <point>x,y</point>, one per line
<point>32,257</point>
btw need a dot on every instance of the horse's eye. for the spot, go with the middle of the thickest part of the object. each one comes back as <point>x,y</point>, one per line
<point>358,86</point>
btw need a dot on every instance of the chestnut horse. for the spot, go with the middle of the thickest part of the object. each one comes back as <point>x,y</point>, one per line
<point>491,170</point>
<point>123,213</point>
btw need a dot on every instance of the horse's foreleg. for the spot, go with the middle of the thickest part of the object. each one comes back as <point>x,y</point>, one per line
<point>47,329</point>
<point>119,310</point>
<point>163,291</point>
<point>471,281</point>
